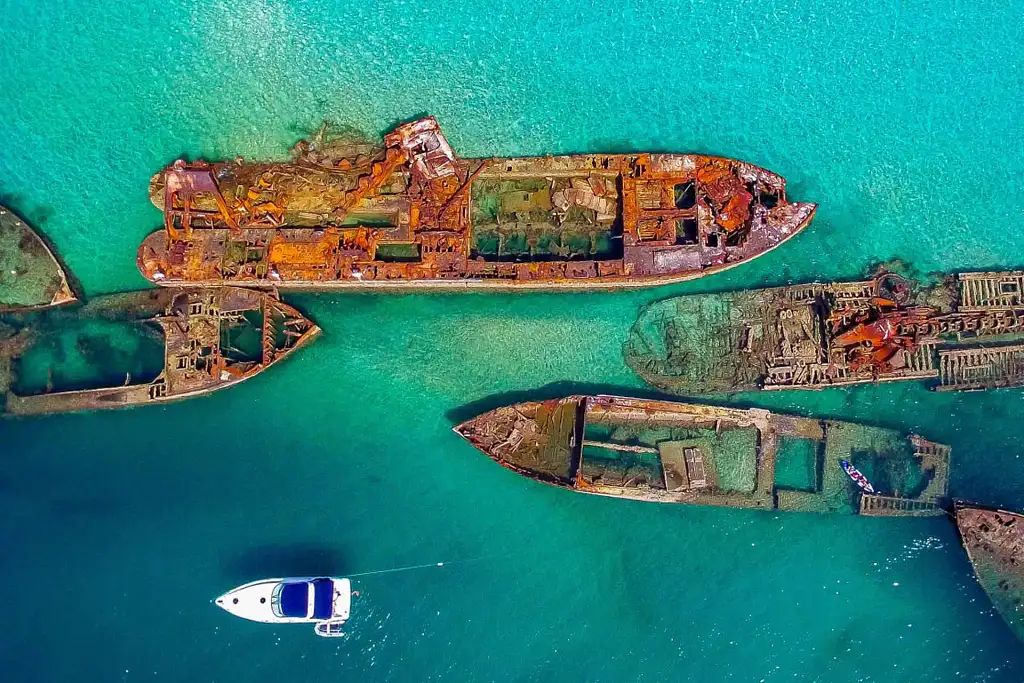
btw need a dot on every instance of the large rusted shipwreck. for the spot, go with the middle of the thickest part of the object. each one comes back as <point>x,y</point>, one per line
<point>672,452</point>
<point>964,332</point>
<point>410,213</point>
<point>31,278</point>
<point>994,540</point>
<point>143,347</point>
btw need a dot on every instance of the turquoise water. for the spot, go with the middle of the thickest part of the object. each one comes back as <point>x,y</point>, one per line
<point>901,119</point>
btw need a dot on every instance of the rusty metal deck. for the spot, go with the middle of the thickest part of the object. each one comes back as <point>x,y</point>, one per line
<point>412,214</point>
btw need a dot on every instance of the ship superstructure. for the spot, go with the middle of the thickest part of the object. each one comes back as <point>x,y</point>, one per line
<point>411,213</point>
<point>963,333</point>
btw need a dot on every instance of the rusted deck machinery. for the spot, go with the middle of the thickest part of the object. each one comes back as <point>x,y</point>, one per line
<point>994,540</point>
<point>671,452</point>
<point>411,213</point>
<point>30,276</point>
<point>963,333</point>
<point>143,347</point>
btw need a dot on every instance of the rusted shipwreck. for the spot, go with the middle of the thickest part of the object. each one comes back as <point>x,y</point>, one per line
<point>965,332</point>
<point>670,452</point>
<point>994,540</point>
<point>31,278</point>
<point>143,347</point>
<point>344,214</point>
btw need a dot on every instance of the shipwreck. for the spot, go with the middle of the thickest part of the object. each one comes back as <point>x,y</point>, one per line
<point>350,214</point>
<point>143,347</point>
<point>31,278</point>
<point>994,540</point>
<point>668,452</point>
<point>965,332</point>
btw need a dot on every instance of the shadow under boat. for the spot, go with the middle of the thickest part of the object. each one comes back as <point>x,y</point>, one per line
<point>144,347</point>
<point>31,277</point>
<point>994,541</point>
<point>670,452</point>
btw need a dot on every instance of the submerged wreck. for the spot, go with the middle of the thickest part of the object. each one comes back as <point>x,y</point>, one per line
<point>670,452</point>
<point>963,333</point>
<point>31,278</point>
<point>410,213</point>
<point>143,347</point>
<point>994,540</point>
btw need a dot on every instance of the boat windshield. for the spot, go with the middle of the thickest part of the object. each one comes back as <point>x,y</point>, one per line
<point>292,600</point>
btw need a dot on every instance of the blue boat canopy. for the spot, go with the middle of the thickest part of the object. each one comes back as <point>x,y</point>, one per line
<point>295,599</point>
<point>323,598</point>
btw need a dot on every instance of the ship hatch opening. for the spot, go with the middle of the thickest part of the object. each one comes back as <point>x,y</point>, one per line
<point>241,339</point>
<point>370,220</point>
<point>623,450</point>
<point>686,231</point>
<point>685,195</point>
<point>90,354</point>
<point>540,219</point>
<point>398,252</point>
<point>799,464</point>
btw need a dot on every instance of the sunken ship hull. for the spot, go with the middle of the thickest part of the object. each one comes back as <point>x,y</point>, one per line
<point>143,347</point>
<point>410,214</point>
<point>31,278</point>
<point>963,333</point>
<point>668,452</point>
<point>994,540</point>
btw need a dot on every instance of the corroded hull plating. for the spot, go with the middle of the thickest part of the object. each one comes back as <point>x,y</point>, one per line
<point>204,339</point>
<point>668,452</point>
<point>994,540</point>
<point>411,214</point>
<point>31,278</point>
<point>963,333</point>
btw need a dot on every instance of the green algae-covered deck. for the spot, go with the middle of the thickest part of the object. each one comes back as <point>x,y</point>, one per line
<point>30,276</point>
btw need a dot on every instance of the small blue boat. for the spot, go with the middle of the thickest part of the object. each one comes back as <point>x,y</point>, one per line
<point>858,478</point>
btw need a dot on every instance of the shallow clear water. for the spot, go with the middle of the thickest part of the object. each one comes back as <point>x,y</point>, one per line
<point>901,119</point>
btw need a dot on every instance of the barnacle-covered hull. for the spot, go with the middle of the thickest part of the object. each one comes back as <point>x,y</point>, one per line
<point>965,332</point>
<point>994,540</point>
<point>411,214</point>
<point>668,452</point>
<point>31,278</point>
<point>143,347</point>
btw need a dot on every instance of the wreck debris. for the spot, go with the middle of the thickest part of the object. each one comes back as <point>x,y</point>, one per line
<point>963,333</point>
<point>994,540</point>
<point>144,347</point>
<point>670,452</point>
<point>413,214</point>
<point>30,276</point>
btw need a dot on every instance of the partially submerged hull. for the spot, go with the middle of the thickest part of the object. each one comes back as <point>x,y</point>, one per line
<point>994,540</point>
<point>31,278</point>
<point>669,452</point>
<point>143,347</point>
<point>963,333</point>
<point>412,214</point>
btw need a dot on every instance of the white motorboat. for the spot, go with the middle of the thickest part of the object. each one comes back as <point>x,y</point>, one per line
<point>324,602</point>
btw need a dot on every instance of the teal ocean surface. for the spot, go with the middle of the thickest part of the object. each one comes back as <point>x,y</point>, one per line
<point>902,119</point>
